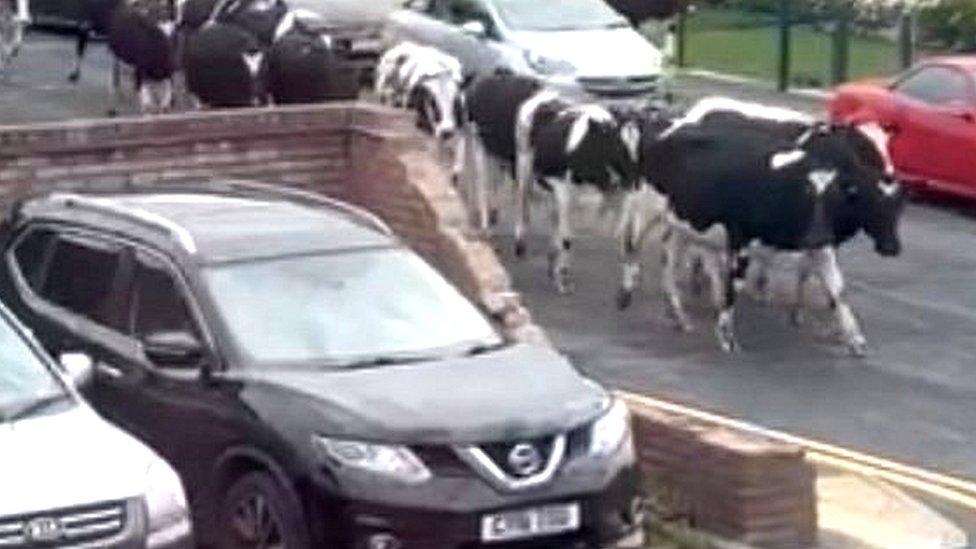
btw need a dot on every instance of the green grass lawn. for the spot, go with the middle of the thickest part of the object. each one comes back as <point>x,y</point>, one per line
<point>747,45</point>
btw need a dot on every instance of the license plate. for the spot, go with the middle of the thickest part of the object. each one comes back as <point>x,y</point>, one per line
<point>530,523</point>
<point>367,45</point>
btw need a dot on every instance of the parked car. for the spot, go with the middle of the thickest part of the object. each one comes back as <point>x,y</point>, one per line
<point>56,13</point>
<point>583,45</point>
<point>932,111</point>
<point>355,26</point>
<point>67,477</point>
<point>314,381</point>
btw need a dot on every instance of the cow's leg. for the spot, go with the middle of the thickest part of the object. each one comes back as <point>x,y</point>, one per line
<point>81,45</point>
<point>763,259</point>
<point>561,248</point>
<point>714,268</point>
<point>698,275</point>
<point>461,146</point>
<point>675,246</point>
<point>478,193</point>
<point>804,270</point>
<point>828,270</point>
<point>636,222</point>
<point>738,264</point>
<point>524,178</point>
<point>115,84</point>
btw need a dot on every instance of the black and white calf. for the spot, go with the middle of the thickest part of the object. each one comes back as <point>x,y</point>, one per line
<point>564,146</point>
<point>224,66</point>
<point>733,183</point>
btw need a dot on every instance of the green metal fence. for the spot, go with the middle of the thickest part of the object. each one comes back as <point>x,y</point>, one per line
<point>809,43</point>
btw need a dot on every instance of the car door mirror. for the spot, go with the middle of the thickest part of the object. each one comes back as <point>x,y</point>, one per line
<point>79,367</point>
<point>173,349</point>
<point>962,111</point>
<point>475,28</point>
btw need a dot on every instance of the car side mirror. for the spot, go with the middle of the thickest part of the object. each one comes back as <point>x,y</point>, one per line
<point>173,349</point>
<point>475,28</point>
<point>79,367</point>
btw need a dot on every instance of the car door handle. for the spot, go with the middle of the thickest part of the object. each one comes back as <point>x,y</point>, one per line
<point>109,371</point>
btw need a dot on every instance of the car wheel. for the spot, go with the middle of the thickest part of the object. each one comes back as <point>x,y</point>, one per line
<point>258,513</point>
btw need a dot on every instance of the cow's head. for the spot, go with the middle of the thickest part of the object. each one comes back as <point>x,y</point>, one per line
<point>874,197</point>
<point>438,99</point>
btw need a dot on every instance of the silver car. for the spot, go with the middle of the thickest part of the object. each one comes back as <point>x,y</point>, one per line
<point>572,44</point>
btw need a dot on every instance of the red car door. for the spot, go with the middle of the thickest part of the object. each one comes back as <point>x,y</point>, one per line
<point>936,114</point>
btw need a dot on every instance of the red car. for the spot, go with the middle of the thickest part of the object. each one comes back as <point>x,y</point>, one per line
<point>931,110</point>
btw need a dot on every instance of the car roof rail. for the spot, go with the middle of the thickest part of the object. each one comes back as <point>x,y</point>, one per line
<point>360,214</point>
<point>137,215</point>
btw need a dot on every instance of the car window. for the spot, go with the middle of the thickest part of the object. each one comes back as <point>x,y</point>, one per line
<point>158,302</point>
<point>91,295</point>
<point>460,12</point>
<point>23,376</point>
<point>525,15</point>
<point>937,86</point>
<point>31,254</point>
<point>423,6</point>
<point>342,308</point>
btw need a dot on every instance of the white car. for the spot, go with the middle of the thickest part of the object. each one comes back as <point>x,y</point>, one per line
<point>67,477</point>
<point>575,45</point>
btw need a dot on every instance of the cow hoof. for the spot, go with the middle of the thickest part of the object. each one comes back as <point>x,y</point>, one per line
<point>729,346</point>
<point>455,180</point>
<point>796,317</point>
<point>624,299</point>
<point>493,217</point>
<point>859,349</point>
<point>112,113</point>
<point>520,249</point>
<point>565,287</point>
<point>73,77</point>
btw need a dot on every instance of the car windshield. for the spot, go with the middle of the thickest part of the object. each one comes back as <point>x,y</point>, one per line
<point>532,15</point>
<point>366,307</point>
<point>25,382</point>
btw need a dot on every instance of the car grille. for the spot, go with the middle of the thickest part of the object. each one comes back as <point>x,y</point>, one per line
<point>88,526</point>
<point>620,87</point>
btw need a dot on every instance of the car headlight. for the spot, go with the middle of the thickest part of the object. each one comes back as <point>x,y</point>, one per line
<point>166,508</point>
<point>548,66</point>
<point>395,462</point>
<point>611,430</point>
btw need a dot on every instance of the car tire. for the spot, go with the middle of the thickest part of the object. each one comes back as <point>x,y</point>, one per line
<point>257,512</point>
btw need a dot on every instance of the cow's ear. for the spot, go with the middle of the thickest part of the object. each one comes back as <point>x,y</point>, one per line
<point>467,78</point>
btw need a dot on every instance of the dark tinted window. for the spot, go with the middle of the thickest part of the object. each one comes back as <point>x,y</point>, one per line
<point>31,253</point>
<point>158,302</point>
<point>464,11</point>
<point>937,86</point>
<point>80,278</point>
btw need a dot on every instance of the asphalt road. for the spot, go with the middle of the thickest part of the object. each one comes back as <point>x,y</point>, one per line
<point>913,399</point>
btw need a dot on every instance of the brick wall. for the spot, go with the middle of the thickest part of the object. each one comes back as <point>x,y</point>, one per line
<point>367,155</point>
<point>740,486</point>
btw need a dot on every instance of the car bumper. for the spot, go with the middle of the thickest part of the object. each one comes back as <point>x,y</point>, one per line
<point>447,513</point>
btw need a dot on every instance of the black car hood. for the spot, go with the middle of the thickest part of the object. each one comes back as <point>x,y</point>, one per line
<point>516,392</point>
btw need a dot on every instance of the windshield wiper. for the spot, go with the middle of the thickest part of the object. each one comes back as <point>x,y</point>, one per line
<point>483,348</point>
<point>35,407</point>
<point>372,362</point>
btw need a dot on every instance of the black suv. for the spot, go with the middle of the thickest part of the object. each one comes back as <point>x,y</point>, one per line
<point>315,382</point>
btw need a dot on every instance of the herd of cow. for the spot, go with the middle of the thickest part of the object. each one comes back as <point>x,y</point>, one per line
<point>725,184</point>
<point>228,53</point>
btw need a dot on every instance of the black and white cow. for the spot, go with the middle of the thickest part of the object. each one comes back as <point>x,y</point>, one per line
<point>426,80</point>
<point>302,68</point>
<point>224,66</point>
<point>563,146</point>
<point>492,106</point>
<point>142,37</point>
<point>729,181</point>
